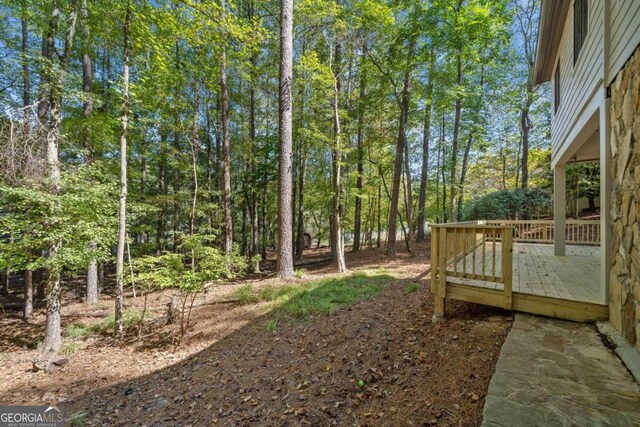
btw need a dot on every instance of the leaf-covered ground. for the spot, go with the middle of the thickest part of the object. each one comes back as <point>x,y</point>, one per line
<point>369,357</point>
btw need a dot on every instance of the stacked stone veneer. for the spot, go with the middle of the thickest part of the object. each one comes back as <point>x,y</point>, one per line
<point>624,281</point>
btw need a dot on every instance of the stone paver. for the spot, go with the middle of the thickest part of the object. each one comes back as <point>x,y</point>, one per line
<point>559,373</point>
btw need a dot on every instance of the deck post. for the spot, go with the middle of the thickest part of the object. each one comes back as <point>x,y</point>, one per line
<point>605,199</point>
<point>507,266</point>
<point>559,209</point>
<point>441,289</point>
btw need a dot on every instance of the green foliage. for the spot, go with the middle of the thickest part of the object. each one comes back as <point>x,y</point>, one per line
<point>83,213</point>
<point>509,204</point>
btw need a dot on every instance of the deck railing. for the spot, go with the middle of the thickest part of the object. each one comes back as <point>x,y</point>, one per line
<point>453,245</point>
<point>577,232</point>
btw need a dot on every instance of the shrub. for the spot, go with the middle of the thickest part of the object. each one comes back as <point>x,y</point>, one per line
<point>510,204</point>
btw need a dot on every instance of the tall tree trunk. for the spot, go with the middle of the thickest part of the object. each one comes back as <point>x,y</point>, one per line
<point>26,101</point>
<point>28,294</point>
<point>26,79</point>
<point>87,108</point>
<point>177,167</point>
<point>444,178</point>
<point>337,237</point>
<point>426,132</point>
<point>456,133</point>
<point>195,147</point>
<point>525,126</point>
<point>379,217</point>
<point>360,152</point>
<point>467,149</point>
<point>255,229</point>
<point>463,175</point>
<point>53,331</point>
<point>226,153</point>
<point>408,197</point>
<point>300,222</point>
<point>162,191</point>
<point>285,247</point>
<point>401,141</point>
<point>122,217</point>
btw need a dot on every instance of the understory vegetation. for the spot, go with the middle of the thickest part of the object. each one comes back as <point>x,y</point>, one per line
<point>178,144</point>
<point>323,296</point>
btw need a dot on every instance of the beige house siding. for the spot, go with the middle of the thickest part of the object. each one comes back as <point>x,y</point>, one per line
<point>624,173</point>
<point>580,82</point>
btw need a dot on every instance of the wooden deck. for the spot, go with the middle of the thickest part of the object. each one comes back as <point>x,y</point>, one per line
<point>537,271</point>
<point>484,264</point>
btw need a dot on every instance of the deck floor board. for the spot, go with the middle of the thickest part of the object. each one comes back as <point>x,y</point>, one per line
<point>537,271</point>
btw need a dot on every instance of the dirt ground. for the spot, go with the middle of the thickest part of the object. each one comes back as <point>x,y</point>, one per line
<point>231,370</point>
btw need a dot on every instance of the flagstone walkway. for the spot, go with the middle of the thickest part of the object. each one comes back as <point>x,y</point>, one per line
<point>559,373</point>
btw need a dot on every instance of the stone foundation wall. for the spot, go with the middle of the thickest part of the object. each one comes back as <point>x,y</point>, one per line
<point>624,280</point>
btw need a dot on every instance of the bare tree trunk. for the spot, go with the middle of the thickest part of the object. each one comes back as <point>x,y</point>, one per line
<point>463,175</point>
<point>467,149</point>
<point>177,167</point>
<point>87,86</point>
<point>336,205</point>
<point>401,141</point>
<point>26,101</point>
<point>226,153</point>
<point>300,222</point>
<point>26,80</point>
<point>162,191</point>
<point>255,229</point>
<point>426,131</point>
<point>122,225</point>
<point>525,125</point>
<point>379,216</point>
<point>28,294</point>
<point>408,197</point>
<point>53,331</point>
<point>360,149</point>
<point>336,162</point>
<point>195,146</point>
<point>285,246</point>
<point>454,145</point>
<point>444,178</point>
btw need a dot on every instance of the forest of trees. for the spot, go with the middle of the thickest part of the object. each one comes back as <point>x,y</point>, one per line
<point>178,141</point>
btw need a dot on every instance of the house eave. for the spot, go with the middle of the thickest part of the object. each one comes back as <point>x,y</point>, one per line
<point>553,14</point>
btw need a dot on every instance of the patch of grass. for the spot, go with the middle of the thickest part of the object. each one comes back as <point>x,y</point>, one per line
<point>322,296</point>
<point>245,295</point>
<point>300,273</point>
<point>77,330</point>
<point>129,319</point>
<point>412,287</point>
<point>77,420</point>
<point>271,325</point>
<point>69,348</point>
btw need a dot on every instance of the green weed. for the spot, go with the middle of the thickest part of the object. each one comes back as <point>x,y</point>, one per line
<point>77,330</point>
<point>410,288</point>
<point>69,348</point>
<point>77,420</point>
<point>271,325</point>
